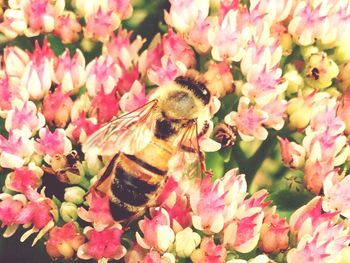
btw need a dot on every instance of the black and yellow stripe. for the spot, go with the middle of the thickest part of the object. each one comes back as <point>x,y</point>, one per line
<point>138,179</point>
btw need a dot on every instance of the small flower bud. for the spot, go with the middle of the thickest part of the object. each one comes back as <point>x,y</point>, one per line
<point>320,70</point>
<point>293,155</point>
<point>74,195</point>
<point>342,53</point>
<point>68,211</point>
<point>299,113</point>
<point>186,242</point>
<point>219,78</point>
<point>307,51</point>
<point>92,163</point>
<point>344,76</point>
<point>295,80</point>
<point>274,233</point>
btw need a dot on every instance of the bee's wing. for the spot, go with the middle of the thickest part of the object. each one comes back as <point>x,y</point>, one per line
<point>127,133</point>
<point>193,156</point>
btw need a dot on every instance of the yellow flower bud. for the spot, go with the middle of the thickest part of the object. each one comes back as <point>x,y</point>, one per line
<point>307,51</point>
<point>186,242</point>
<point>74,194</point>
<point>68,212</point>
<point>320,70</point>
<point>295,80</point>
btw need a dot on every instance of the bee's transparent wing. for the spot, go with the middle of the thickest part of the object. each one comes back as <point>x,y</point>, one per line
<point>193,157</point>
<point>127,133</point>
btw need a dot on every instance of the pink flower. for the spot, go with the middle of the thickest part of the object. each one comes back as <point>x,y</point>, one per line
<point>275,10</point>
<point>57,107</point>
<point>225,7</point>
<point>41,15</point>
<point>11,93</point>
<point>242,232</point>
<point>338,24</point>
<point>64,241</point>
<point>336,195</point>
<point>248,120</point>
<point>228,41</point>
<point>134,98</point>
<point>157,232</point>
<point>121,48</point>
<point>52,143</point>
<point>21,179</point>
<point>178,208</point>
<point>16,150</point>
<point>15,60</point>
<point>219,78</point>
<point>26,119</point>
<point>176,47</point>
<point>325,119</point>
<point>334,148</point>
<point>307,218</point>
<point>102,72</point>
<point>274,233</point>
<point>264,86</point>
<point>309,22</point>
<point>67,27</point>
<point>127,79</point>
<point>183,14</point>
<point>314,174</point>
<point>82,127</point>
<point>37,211</point>
<point>10,208</point>
<point>122,7</point>
<point>293,155</point>
<point>209,252</point>
<point>324,245</point>
<point>167,72</point>
<point>198,35</point>
<point>343,110</point>
<point>13,24</point>
<point>105,106</point>
<point>276,111</point>
<point>36,77</point>
<point>69,71</point>
<point>101,24</point>
<point>99,212</point>
<point>208,205</point>
<point>103,244</point>
<point>263,57</point>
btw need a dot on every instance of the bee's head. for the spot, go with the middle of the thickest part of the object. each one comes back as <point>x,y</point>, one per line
<point>185,98</point>
<point>196,87</point>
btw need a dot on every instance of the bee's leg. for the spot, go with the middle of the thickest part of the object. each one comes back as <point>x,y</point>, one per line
<point>108,172</point>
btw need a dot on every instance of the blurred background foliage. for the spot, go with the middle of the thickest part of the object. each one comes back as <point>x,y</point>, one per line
<point>260,161</point>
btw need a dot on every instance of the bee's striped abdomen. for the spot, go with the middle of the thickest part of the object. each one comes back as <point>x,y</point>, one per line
<point>138,179</point>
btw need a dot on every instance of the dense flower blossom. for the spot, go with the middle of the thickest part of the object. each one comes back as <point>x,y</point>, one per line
<point>51,143</point>
<point>157,232</point>
<point>64,241</point>
<point>102,244</point>
<point>102,73</point>
<point>67,27</point>
<point>26,119</point>
<point>276,71</point>
<point>69,71</point>
<point>16,150</point>
<point>36,77</point>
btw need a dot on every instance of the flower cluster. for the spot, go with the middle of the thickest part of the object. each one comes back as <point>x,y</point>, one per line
<point>276,70</point>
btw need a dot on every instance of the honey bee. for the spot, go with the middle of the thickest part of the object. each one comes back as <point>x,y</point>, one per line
<point>143,141</point>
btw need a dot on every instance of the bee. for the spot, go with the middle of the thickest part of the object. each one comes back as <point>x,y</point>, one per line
<point>143,141</point>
